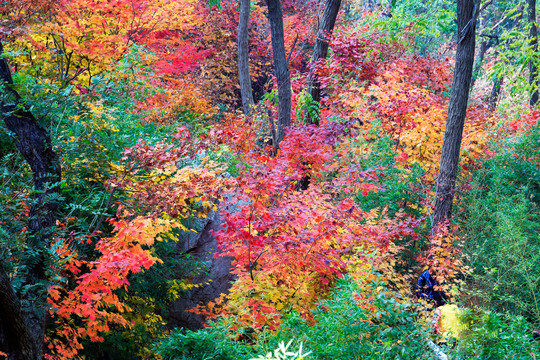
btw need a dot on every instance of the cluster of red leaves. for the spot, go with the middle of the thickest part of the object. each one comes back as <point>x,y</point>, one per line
<point>290,245</point>
<point>89,308</point>
<point>169,179</point>
<point>358,54</point>
<point>378,81</point>
<point>162,193</point>
<point>523,123</point>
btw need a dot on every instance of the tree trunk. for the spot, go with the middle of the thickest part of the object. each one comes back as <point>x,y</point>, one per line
<point>324,34</point>
<point>34,144</point>
<point>457,108</point>
<point>494,95</point>
<point>14,337</point>
<point>533,43</point>
<point>243,57</point>
<point>281,68</point>
<point>482,49</point>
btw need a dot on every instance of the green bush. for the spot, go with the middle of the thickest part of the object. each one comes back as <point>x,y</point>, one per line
<point>500,221</point>
<point>342,330</point>
<point>492,336</point>
<point>400,189</point>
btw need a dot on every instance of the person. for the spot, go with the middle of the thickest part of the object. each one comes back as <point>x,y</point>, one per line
<point>425,289</point>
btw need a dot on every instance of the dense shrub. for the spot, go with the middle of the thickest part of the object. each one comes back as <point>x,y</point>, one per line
<point>500,220</point>
<point>345,327</point>
<point>492,336</point>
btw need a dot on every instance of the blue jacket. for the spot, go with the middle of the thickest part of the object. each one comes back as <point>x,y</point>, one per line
<point>425,286</point>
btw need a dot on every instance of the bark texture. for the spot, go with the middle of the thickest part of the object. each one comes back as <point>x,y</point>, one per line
<point>281,68</point>
<point>493,97</point>
<point>14,337</point>
<point>533,43</point>
<point>243,57</point>
<point>24,340</point>
<point>324,34</point>
<point>457,108</point>
<point>482,49</point>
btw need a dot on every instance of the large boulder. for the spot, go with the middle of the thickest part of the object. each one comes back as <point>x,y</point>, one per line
<point>211,283</point>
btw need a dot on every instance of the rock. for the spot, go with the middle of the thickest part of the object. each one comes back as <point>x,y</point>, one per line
<point>213,282</point>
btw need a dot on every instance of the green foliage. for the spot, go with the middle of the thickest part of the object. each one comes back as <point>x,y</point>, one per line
<point>283,353</point>
<point>432,23</point>
<point>307,109</point>
<point>208,343</point>
<point>492,336</point>
<point>399,188</point>
<point>342,330</point>
<point>15,181</point>
<point>500,220</point>
<point>514,49</point>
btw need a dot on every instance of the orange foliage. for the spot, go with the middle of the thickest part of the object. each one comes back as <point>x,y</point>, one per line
<point>89,307</point>
<point>88,310</point>
<point>290,246</point>
<point>78,39</point>
<point>445,261</point>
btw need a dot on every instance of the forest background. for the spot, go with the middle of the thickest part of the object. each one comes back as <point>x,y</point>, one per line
<point>315,130</point>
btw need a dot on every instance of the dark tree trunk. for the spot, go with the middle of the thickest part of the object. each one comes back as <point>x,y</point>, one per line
<point>482,49</point>
<point>494,95</point>
<point>14,337</point>
<point>533,43</point>
<point>324,34</point>
<point>34,144</point>
<point>457,108</point>
<point>281,69</point>
<point>243,57</point>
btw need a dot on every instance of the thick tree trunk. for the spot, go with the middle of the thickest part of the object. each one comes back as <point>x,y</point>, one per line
<point>324,34</point>
<point>281,68</point>
<point>533,43</point>
<point>243,57</point>
<point>457,108</point>
<point>14,337</point>
<point>34,144</point>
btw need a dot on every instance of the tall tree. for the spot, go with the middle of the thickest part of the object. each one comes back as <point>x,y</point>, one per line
<point>533,43</point>
<point>467,13</point>
<point>324,33</point>
<point>281,68</point>
<point>23,339</point>
<point>485,44</point>
<point>243,56</point>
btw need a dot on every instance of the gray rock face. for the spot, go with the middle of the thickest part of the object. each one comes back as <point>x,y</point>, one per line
<point>215,281</point>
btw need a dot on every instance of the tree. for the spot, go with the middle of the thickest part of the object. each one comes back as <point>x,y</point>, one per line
<point>281,68</point>
<point>467,13</point>
<point>533,43</point>
<point>320,51</point>
<point>21,329</point>
<point>243,56</point>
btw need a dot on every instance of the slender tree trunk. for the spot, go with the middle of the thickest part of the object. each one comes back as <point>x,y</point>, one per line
<point>457,108</point>
<point>482,49</point>
<point>34,144</point>
<point>324,34</point>
<point>243,57</point>
<point>281,68</point>
<point>494,95</point>
<point>533,43</point>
